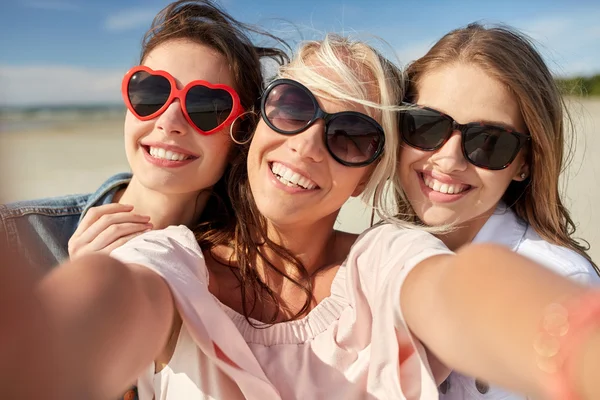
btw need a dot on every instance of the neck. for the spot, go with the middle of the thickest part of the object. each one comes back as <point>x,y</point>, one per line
<point>464,233</point>
<point>312,244</point>
<point>164,209</point>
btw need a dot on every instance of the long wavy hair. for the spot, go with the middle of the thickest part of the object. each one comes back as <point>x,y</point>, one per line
<point>204,22</point>
<point>512,59</point>
<point>364,77</point>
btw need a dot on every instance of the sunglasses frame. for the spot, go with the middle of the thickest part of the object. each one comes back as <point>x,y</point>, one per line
<point>524,139</point>
<point>181,95</point>
<point>325,116</point>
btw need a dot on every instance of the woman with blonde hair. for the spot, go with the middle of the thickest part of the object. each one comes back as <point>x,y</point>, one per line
<point>484,142</point>
<point>277,304</point>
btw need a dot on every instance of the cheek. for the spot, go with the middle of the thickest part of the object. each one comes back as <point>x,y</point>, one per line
<point>495,182</point>
<point>346,180</point>
<point>411,159</point>
<point>218,147</point>
<point>264,139</point>
<point>134,128</point>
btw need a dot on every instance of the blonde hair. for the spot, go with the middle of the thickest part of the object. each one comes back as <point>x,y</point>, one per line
<point>362,76</point>
<point>511,58</point>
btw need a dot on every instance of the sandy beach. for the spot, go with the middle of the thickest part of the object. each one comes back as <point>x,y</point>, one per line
<point>74,156</point>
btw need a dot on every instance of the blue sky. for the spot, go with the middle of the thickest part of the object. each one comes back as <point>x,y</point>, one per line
<point>76,51</point>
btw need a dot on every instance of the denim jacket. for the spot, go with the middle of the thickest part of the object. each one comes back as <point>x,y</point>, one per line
<point>40,229</point>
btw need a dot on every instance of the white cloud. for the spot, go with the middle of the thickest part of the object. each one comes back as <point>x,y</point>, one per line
<point>129,19</point>
<point>56,85</point>
<point>52,5</point>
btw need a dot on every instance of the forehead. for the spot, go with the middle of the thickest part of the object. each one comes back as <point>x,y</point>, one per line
<point>188,61</point>
<point>468,94</point>
<point>335,86</point>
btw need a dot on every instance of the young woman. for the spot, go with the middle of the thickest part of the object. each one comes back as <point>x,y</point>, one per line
<point>199,72</point>
<point>484,147</point>
<point>278,304</point>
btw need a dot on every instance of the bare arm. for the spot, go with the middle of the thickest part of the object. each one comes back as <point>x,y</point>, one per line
<point>480,311</point>
<point>112,319</point>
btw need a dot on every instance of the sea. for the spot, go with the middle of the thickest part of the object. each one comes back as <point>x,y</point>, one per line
<point>27,118</point>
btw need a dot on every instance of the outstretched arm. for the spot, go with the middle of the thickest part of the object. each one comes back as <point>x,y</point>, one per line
<point>480,312</point>
<point>112,320</point>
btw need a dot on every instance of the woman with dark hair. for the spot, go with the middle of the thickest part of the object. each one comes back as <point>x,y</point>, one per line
<point>199,72</point>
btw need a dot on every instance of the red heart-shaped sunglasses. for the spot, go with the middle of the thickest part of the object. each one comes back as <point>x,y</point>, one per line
<point>207,107</point>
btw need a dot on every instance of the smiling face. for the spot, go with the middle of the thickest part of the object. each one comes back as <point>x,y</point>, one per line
<point>442,186</point>
<point>293,178</point>
<point>167,154</point>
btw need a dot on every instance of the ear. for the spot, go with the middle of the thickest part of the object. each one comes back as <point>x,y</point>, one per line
<point>522,173</point>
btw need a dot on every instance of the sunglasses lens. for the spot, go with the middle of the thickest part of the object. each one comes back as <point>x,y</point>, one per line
<point>147,93</point>
<point>288,108</point>
<point>208,108</point>
<point>353,139</point>
<point>488,147</point>
<point>424,129</point>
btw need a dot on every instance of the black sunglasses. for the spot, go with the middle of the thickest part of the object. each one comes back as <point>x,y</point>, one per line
<point>352,138</point>
<point>486,146</point>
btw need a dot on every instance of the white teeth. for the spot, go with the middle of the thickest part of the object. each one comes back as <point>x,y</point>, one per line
<point>447,188</point>
<point>159,152</point>
<point>291,178</point>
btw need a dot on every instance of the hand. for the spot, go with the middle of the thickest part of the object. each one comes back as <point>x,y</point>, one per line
<point>106,227</point>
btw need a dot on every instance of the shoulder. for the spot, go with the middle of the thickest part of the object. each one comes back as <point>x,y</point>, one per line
<point>388,247</point>
<point>50,206</point>
<point>73,204</point>
<point>560,259</point>
<point>173,248</point>
<point>390,238</point>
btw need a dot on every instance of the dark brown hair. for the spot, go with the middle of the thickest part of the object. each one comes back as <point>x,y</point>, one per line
<point>203,22</point>
<point>512,59</point>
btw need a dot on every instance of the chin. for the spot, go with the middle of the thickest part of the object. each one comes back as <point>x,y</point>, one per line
<point>437,216</point>
<point>165,185</point>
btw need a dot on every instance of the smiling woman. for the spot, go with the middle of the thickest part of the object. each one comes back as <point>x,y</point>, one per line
<point>199,71</point>
<point>483,151</point>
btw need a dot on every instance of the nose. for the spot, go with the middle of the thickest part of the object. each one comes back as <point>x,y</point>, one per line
<point>449,158</point>
<point>172,121</point>
<point>309,144</point>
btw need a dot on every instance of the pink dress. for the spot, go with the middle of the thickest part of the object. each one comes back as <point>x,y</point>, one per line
<point>352,345</point>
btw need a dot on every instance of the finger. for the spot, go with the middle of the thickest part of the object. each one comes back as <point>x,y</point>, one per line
<point>95,213</point>
<point>115,232</point>
<point>106,220</point>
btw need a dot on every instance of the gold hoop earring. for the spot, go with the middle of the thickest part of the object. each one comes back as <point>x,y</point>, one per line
<point>236,141</point>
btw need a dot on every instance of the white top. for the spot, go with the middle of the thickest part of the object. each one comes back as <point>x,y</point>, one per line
<point>506,228</point>
<point>353,345</point>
